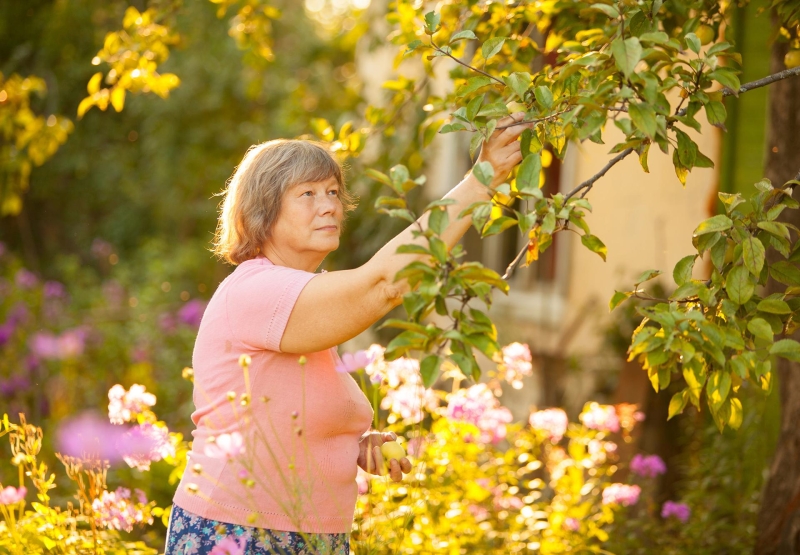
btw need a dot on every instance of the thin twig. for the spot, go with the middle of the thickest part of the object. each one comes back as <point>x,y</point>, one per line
<point>590,182</point>
<point>537,120</point>
<point>466,65</point>
<point>515,262</point>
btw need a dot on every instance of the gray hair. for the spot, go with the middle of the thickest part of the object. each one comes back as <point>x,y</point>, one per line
<point>252,198</point>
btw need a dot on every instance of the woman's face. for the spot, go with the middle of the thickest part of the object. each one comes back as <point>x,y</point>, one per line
<point>310,219</point>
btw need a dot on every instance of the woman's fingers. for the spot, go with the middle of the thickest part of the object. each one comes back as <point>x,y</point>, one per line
<point>395,472</point>
<point>377,458</point>
<point>405,465</point>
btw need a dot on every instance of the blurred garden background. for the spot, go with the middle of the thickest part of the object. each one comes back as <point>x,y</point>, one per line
<point>121,121</point>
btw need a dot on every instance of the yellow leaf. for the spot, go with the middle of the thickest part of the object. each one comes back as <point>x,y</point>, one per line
<point>118,98</point>
<point>735,421</point>
<point>84,106</point>
<point>94,83</point>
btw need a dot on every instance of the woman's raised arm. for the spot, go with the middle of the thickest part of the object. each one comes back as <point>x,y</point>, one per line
<point>336,306</point>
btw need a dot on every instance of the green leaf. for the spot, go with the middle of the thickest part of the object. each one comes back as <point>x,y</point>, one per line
<point>693,42</point>
<point>753,253</point>
<point>528,175</point>
<point>412,249</point>
<point>785,273</point>
<point>678,403</point>
<point>687,149</point>
<point>730,200</point>
<point>544,97</point>
<point>610,11</point>
<point>683,269</point>
<point>719,222</point>
<point>617,299</point>
<point>775,228</point>
<point>647,276</point>
<point>774,306</point>
<point>626,54</point>
<point>438,220</point>
<point>378,176</point>
<point>473,106</point>
<point>644,118</point>
<point>492,47</point>
<point>432,22</point>
<point>718,387</point>
<point>484,172</point>
<point>461,35</point>
<point>519,82</point>
<point>494,110</point>
<point>737,414</point>
<point>739,285</point>
<point>760,328</point>
<point>727,78</point>
<point>429,369</point>
<point>594,244</point>
<point>439,249</point>
<point>413,45</point>
<point>786,348</point>
<point>716,114</point>
<point>472,85</point>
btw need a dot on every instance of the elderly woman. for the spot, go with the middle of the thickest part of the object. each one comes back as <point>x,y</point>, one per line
<point>279,432</point>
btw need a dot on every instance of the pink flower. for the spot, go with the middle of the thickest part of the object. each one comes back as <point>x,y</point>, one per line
<point>600,417</point>
<point>54,289</point>
<point>145,444</point>
<point>71,343</point>
<point>125,406</point>
<point>551,421</point>
<point>12,496</point>
<point>622,494</point>
<point>353,362</point>
<point>572,524</point>
<point>225,446</point>
<point>116,510</point>
<point>477,405</point>
<point>44,345</point>
<point>516,363</point>
<point>90,436</point>
<point>26,279</point>
<point>648,466</point>
<point>681,511</point>
<point>230,546</point>
<point>408,401</point>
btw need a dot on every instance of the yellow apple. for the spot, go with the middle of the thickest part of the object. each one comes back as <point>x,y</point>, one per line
<point>392,450</point>
<point>792,59</point>
<point>705,33</point>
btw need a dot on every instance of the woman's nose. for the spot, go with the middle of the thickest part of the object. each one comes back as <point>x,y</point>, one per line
<point>328,204</point>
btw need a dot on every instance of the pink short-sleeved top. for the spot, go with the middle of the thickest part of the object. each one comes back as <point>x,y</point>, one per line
<point>301,438</point>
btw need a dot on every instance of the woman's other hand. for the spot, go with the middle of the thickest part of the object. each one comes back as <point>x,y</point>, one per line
<point>370,458</point>
<point>502,150</point>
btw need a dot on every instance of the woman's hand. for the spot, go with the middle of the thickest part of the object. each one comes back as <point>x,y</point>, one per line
<point>370,458</point>
<point>502,150</point>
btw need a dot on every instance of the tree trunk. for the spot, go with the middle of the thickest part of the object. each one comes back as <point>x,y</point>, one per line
<point>779,516</point>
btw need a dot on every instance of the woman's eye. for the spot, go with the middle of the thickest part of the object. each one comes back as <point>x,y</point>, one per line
<point>307,194</point>
<point>334,193</point>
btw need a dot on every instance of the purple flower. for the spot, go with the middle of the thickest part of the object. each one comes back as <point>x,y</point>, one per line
<point>353,362</point>
<point>26,279</point>
<point>648,466</point>
<point>54,290</point>
<point>191,313</point>
<point>621,494</point>
<point>602,418</point>
<point>116,510</point>
<point>681,511</point>
<point>71,343</point>
<point>89,436</point>
<point>167,323</point>
<point>6,332</point>
<point>551,421</point>
<point>19,314</point>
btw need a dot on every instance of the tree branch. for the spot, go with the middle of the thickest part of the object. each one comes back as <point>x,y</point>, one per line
<point>590,182</point>
<point>768,80</point>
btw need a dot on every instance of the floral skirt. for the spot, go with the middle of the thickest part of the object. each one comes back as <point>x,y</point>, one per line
<point>189,534</point>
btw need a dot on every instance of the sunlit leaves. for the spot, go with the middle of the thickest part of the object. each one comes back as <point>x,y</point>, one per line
<point>595,245</point>
<point>28,139</point>
<point>134,54</point>
<point>627,53</point>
